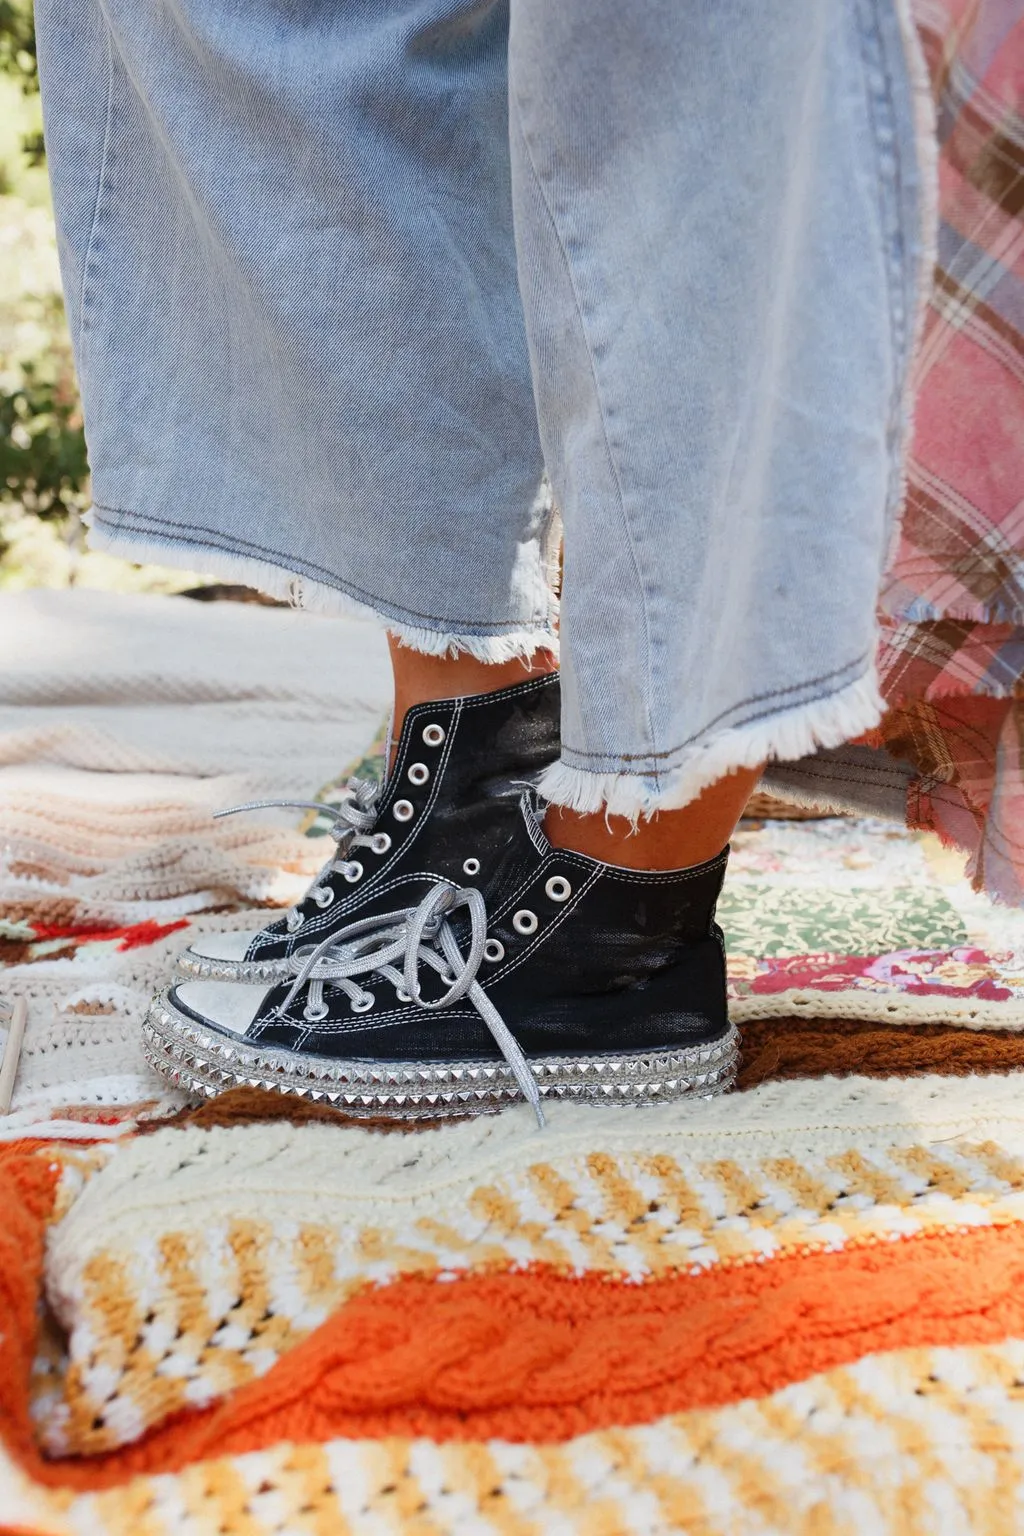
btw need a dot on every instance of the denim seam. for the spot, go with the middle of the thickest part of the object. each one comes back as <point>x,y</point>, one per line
<point>100,181</point>
<point>630,540</point>
<point>775,694</point>
<point>886,777</point>
<point>296,565</point>
<point>879,97</point>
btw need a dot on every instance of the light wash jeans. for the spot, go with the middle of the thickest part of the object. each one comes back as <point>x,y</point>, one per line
<point>345,278</point>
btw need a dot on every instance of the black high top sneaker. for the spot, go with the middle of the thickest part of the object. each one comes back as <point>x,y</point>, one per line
<point>573,979</point>
<point>459,773</point>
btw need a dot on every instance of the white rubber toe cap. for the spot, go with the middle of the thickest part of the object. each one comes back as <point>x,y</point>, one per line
<point>231,946</point>
<point>231,1005</point>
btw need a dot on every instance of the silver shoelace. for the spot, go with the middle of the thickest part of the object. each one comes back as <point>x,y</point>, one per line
<point>393,946</point>
<point>351,825</point>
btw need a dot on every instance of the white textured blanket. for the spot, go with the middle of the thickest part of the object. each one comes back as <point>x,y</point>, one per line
<point>124,722</point>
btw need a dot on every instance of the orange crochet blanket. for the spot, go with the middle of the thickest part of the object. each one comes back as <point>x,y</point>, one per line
<point>798,1309</point>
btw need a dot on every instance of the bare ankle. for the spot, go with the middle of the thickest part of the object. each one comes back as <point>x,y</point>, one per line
<point>667,840</point>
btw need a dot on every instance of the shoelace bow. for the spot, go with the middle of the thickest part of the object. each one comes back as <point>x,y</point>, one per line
<point>394,945</point>
<point>350,821</point>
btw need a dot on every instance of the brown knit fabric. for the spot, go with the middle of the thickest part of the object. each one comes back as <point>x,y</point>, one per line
<point>790,1048</point>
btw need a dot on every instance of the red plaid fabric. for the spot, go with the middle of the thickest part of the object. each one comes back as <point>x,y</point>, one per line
<point>952,658</point>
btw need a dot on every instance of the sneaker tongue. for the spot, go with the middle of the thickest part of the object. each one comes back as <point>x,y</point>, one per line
<point>529,804</point>
<point>389,749</point>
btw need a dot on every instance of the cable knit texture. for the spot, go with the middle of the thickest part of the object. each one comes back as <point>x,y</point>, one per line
<point>797,1308</point>
<point>197,1258</point>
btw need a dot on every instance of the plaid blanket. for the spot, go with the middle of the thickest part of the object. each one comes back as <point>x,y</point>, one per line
<point>952,655</point>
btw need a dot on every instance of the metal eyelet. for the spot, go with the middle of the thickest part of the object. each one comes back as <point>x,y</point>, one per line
<point>353,872</point>
<point>494,950</point>
<point>471,867</point>
<point>558,888</point>
<point>362,1004</point>
<point>293,922</point>
<point>380,842</point>
<point>402,995</point>
<point>433,735</point>
<point>525,921</point>
<point>403,810</point>
<point>323,897</point>
<point>314,1015</point>
<point>419,773</point>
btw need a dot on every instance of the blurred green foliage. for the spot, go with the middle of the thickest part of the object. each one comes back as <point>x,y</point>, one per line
<point>43,467</point>
<point>18,59</point>
<point>18,42</point>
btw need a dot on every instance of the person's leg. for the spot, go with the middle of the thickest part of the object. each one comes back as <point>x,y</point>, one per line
<point>719,220</point>
<point>287,249</point>
<point>255,327</point>
<point>718,225</point>
<point>720,309</point>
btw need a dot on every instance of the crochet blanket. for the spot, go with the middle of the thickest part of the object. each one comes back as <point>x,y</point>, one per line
<point>797,1308</point>
<point>125,722</point>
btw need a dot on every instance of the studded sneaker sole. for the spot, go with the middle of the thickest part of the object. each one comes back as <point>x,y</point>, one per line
<point>204,1062</point>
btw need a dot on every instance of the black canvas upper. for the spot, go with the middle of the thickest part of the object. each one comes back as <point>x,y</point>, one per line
<point>493,744</point>
<point>629,961</point>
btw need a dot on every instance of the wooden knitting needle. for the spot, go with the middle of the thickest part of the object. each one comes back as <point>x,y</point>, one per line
<point>12,1050</point>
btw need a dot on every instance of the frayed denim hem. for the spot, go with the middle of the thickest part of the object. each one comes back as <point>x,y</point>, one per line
<point>790,733</point>
<point>320,597</point>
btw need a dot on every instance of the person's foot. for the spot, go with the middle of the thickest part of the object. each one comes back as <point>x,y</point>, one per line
<point>444,814</point>
<point>572,979</point>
